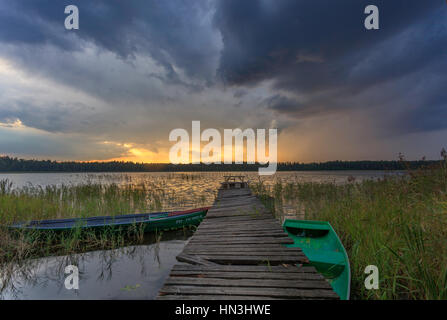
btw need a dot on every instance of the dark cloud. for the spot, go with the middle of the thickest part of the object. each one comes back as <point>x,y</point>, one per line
<point>240,93</point>
<point>174,33</point>
<point>59,147</point>
<point>61,117</point>
<point>321,52</point>
<point>304,39</point>
<point>283,104</point>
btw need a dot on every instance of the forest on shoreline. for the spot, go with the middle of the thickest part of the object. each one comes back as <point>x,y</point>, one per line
<point>11,164</point>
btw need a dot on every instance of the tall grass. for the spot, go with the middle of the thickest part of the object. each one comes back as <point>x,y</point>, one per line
<point>53,202</point>
<point>91,199</point>
<point>398,223</point>
<point>79,201</point>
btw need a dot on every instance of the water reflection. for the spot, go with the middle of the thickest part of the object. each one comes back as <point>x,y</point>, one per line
<point>133,272</point>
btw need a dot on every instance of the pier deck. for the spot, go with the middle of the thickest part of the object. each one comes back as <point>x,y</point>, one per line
<point>238,253</point>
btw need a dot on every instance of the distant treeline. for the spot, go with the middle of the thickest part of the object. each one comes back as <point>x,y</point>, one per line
<point>9,164</point>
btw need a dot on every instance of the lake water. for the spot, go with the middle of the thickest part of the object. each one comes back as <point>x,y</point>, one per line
<point>182,190</point>
<point>187,179</point>
<point>134,272</point>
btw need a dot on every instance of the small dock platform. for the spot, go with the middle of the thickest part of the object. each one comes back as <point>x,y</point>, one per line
<point>238,253</point>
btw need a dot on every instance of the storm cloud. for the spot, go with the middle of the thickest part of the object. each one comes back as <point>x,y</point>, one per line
<point>137,69</point>
<point>319,52</point>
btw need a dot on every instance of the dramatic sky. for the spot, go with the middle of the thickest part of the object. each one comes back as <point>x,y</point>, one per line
<point>135,70</point>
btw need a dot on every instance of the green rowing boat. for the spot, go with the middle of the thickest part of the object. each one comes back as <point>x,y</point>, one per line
<point>149,222</point>
<point>326,253</point>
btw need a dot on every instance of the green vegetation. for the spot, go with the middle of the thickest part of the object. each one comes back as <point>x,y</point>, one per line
<point>398,223</point>
<point>55,202</point>
<point>9,164</point>
<point>74,201</point>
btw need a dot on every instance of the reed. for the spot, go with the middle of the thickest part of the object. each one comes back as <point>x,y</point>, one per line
<point>78,201</point>
<point>398,223</point>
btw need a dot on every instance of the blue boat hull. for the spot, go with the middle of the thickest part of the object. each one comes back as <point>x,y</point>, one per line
<point>149,221</point>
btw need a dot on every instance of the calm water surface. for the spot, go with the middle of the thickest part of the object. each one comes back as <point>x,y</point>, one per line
<point>134,272</point>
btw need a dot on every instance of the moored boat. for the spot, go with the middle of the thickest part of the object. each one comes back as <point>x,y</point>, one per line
<point>149,221</point>
<point>321,244</point>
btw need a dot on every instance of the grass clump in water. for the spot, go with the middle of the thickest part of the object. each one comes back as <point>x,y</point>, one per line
<point>75,201</point>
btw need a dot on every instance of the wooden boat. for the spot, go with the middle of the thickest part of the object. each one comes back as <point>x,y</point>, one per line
<point>323,247</point>
<point>150,221</point>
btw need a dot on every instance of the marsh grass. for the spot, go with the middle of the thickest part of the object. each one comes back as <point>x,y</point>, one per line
<point>398,223</point>
<point>80,201</point>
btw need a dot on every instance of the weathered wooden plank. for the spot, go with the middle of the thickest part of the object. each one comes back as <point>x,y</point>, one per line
<point>238,231</point>
<point>254,225</point>
<point>260,241</point>
<point>208,235</point>
<point>183,257</point>
<point>242,228</point>
<point>223,201</point>
<point>261,215</point>
<point>248,275</point>
<point>247,240</point>
<point>244,252</point>
<point>249,217</point>
<point>245,258</point>
<point>228,237</point>
<point>224,204</point>
<point>242,206</point>
<point>259,283</point>
<point>253,260</point>
<point>242,224</point>
<point>238,205</point>
<point>243,248</point>
<point>231,195</point>
<point>246,210</point>
<point>238,195</point>
<point>246,215</point>
<point>264,233</point>
<point>255,292</point>
<point>252,269</point>
<point>236,218</point>
<point>245,207</point>
<point>250,233</point>
<point>252,215</point>
<point>260,218</point>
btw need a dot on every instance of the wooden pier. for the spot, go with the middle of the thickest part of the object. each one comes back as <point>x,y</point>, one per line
<point>238,253</point>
